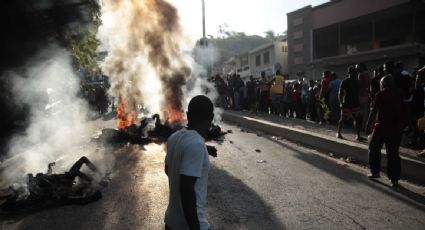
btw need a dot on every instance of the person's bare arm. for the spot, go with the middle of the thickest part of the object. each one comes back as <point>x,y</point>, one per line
<point>341,94</point>
<point>188,198</point>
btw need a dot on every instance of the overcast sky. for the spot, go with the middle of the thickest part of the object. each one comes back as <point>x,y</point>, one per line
<point>249,16</point>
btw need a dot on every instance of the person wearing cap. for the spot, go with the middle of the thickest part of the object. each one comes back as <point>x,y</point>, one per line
<point>349,102</point>
<point>386,129</point>
<point>187,165</point>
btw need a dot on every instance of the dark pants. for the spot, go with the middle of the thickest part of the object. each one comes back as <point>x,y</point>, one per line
<point>264,101</point>
<point>392,145</point>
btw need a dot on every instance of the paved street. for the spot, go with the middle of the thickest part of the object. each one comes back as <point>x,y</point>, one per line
<point>256,182</point>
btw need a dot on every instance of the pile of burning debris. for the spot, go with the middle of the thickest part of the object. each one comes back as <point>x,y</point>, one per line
<point>152,130</point>
<point>50,189</point>
<point>75,187</point>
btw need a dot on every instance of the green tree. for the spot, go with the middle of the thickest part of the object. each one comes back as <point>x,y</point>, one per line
<point>82,42</point>
<point>270,34</point>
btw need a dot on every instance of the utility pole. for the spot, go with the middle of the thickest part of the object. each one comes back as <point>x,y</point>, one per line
<point>203,41</point>
<point>203,19</point>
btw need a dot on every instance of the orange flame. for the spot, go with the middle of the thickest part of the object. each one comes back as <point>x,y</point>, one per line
<point>125,117</point>
<point>173,116</point>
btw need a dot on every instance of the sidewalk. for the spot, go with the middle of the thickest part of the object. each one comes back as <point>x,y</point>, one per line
<point>322,137</point>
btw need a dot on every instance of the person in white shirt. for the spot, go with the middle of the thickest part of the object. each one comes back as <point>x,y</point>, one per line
<point>187,165</point>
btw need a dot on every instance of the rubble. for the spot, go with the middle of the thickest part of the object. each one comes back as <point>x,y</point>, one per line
<point>49,189</point>
<point>150,130</point>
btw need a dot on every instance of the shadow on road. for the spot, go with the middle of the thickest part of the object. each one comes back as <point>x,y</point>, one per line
<point>348,175</point>
<point>233,205</point>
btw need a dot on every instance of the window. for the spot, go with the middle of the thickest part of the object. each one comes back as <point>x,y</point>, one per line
<point>285,49</point>
<point>297,21</point>
<point>266,57</point>
<point>298,60</point>
<point>298,35</point>
<point>298,47</point>
<point>258,60</point>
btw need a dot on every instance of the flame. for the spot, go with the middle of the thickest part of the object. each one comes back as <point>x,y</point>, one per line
<point>126,116</point>
<point>174,116</point>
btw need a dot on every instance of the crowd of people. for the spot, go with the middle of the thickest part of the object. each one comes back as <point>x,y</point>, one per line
<point>333,99</point>
<point>386,105</point>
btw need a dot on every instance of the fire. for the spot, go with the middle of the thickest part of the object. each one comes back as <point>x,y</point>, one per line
<point>125,115</point>
<point>173,116</point>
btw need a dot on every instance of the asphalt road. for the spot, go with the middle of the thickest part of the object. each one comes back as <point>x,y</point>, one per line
<point>256,182</point>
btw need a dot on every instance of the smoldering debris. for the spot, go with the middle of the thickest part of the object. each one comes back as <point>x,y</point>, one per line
<point>48,189</point>
<point>56,133</point>
<point>152,130</point>
<point>57,119</point>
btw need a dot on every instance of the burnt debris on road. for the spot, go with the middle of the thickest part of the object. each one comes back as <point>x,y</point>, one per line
<point>152,130</point>
<point>49,189</point>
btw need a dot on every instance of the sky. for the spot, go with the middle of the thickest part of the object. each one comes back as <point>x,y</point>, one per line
<point>249,16</point>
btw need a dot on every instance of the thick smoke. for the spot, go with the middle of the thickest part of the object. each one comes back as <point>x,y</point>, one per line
<point>58,129</point>
<point>143,42</point>
<point>204,58</point>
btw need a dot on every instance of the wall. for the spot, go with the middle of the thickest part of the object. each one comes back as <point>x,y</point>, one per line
<point>299,33</point>
<point>326,14</point>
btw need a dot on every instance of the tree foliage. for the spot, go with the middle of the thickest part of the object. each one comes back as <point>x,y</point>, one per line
<point>270,34</point>
<point>82,42</point>
<point>237,43</point>
<point>83,46</point>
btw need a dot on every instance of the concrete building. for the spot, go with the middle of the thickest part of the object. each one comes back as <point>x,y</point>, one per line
<point>237,64</point>
<point>269,58</point>
<point>344,32</point>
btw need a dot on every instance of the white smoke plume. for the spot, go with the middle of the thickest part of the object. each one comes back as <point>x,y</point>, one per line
<point>58,127</point>
<point>201,83</point>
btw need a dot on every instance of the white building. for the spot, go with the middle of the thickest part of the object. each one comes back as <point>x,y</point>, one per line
<point>238,65</point>
<point>269,58</point>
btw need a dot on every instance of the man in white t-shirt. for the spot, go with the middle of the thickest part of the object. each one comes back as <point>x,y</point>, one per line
<point>187,165</point>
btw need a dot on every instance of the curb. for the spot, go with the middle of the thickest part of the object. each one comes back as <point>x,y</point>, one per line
<point>410,168</point>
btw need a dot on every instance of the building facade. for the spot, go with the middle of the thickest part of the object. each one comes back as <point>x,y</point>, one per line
<point>344,32</point>
<point>269,58</point>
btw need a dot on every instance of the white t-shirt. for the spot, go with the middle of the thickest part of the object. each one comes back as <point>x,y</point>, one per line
<point>186,155</point>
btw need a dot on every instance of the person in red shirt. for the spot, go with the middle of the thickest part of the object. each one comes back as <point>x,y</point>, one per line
<point>386,129</point>
<point>324,86</point>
